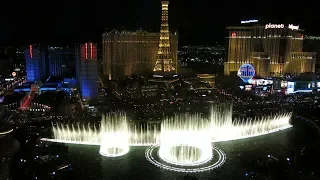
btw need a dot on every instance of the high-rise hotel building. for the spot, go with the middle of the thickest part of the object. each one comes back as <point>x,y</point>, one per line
<point>312,44</point>
<point>87,70</point>
<point>128,53</point>
<point>44,61</point>
<point>273,50</point>
<point>36,64</point>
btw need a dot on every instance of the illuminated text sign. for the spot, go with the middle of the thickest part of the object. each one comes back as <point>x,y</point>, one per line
<point>281,26</point>
<point>293,27</point>
<point>274,26</point>
<point>249,21</point>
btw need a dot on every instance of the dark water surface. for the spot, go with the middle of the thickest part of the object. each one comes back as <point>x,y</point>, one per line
<point>8,146</point>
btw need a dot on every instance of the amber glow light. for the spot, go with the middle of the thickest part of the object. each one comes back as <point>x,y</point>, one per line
<point>86,50</point>
<point>30,51</point>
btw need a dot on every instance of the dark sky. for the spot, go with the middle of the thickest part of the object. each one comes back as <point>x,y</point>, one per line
<point>198,21</point>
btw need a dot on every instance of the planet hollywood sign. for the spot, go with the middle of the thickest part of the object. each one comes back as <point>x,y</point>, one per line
<point>280,26</point>
<point>246,72</point>
<point>274,26</point>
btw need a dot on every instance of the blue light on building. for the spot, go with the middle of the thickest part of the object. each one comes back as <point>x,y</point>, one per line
<point>35,63</point>
<point>87,70</point>
<point>61,61</point>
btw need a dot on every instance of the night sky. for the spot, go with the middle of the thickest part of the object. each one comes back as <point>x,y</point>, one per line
<point>198,22</point>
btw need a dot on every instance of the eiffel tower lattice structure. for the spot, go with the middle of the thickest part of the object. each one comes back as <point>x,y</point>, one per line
<point>164,58</point>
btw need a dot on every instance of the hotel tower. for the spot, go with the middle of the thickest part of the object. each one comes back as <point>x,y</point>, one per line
<point>36,64</point>
<point>87,70</point>
<point>272,49</point>
<point>141,53</point>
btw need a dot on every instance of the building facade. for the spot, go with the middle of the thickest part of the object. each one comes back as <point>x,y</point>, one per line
<point>128,53</point>
<point>61,61</point>
<point>273,49</point>
<point>312,44</point>
<point>44,61</point>
<point>87,70</point>
<point>36,64</point>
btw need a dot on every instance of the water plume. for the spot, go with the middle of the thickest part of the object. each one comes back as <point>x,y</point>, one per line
<point>185,140</point>
<point>114,133</point>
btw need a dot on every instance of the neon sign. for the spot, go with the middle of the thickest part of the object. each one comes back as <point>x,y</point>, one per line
<point>246,72</point>
<point>274,26</point>
<point>249,21</point>
<point>91,50</point>
<point>293,27</point>
<point>30,51</point>
<point>86,52</point>
<point>281,26</point>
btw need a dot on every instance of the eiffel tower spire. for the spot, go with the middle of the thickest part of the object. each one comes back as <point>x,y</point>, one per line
<point>164,58</point>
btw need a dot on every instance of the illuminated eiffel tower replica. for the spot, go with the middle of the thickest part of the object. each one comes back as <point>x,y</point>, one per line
<point>164,65</point>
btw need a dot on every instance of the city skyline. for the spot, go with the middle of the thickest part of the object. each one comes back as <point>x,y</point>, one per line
<point>196,23</point>
<point>159,89</point>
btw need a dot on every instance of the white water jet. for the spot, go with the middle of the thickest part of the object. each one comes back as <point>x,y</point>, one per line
<point>76,134</point>
<point>185,140</point>
<point>145,134</point>
<point>114,133</point>
<point>222,127</point>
